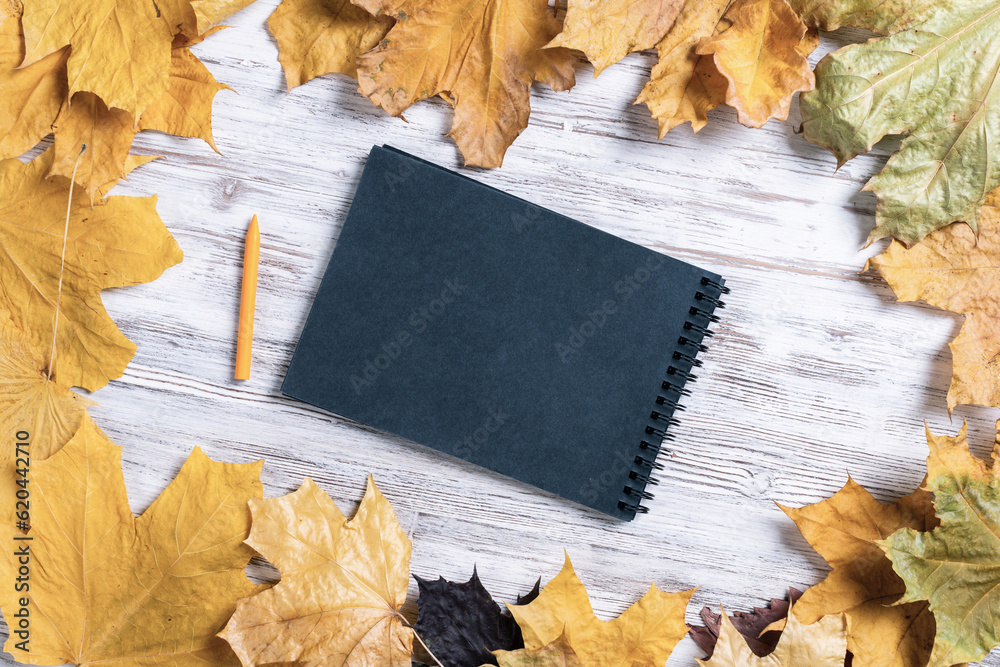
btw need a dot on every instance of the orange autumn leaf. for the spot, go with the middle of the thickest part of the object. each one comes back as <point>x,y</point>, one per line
<point>119,241</point>
<point>952,269</point>
<point>843,529</point>
<point>107,587</point>
<point>763,57</point>
<point>317,37</point>
<point>684,86</point>
<point>608,30</point>
<point>342,584</point>
<point>481,56</point>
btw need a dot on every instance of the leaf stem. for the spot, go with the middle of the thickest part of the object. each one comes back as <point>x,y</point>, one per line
<point>62,261</point>
<point>415,634</point>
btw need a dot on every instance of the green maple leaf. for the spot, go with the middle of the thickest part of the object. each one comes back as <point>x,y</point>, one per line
<point>956,566</point>
<point>935,78</point>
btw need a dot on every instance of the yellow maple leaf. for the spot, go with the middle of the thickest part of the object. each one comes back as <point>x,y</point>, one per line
<point>607,30</point>
<point>108,135</point>
<point>178,15</point>
<point>952,269</point>
<point>186,109</point>
<point>760,55</point>
<point>862,585</point>
<point>646,633</point>
<point>119,242</point>
<point>210,13</point>
<point>482,55</point>
<point>342,584</point>
<point>120,48</point>
<point>33,103</point>
<point>31,96</point>
<point>683,86</point>
<point>557,654</point>
<point>106,587</point>
<point>30,401</point>
<point>822,644</point>
<point>317,37</point>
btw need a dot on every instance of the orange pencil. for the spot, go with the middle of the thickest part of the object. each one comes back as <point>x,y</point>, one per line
<point>248,301</point>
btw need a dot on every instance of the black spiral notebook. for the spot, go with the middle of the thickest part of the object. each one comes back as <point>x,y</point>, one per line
<point>491,329</point>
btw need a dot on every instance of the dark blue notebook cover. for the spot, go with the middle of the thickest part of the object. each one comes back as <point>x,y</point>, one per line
<point>489,328</point>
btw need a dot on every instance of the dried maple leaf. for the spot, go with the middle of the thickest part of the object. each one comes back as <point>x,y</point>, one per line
<point>109,587</point>
<point>557,654</point>
<point>186,109</point>
<point>342,584</point>
<point>107,133</point>
<point>862,585</point>
<point>34,102</point>
<point>30,401</point>
<point>482,55</point>
<point>461,623</point>
<point>645,633</point>
<point>31,96</point>
<point>879,16</point>
<point>761,56</point>
<point>822,644</point>
<point>956,566</point>
<point>607,30</point>
<point>210,13</point>
<point>317,37</point>
<point>119,242</point>
<point>683,86</point>
<point>120,49</point>
<point>932,79</point>
<point>752,625</point>
<point>954,270</point>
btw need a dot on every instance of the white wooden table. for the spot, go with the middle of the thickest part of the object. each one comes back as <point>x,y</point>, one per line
<point>815,371</point>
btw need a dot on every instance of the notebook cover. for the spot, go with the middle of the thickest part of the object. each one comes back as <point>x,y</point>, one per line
<point>486,327</point>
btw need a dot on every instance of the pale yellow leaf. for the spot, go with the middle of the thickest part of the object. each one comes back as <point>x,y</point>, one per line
<point>342,585</point>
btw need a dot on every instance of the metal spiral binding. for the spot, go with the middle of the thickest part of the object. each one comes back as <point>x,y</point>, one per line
<point>719,286</point>
<point>672,404</point>
<point>690,326</point>
<point>688,358</point>
<point>649,463</point>
<point>673,388</point>
<point>697,346</point>
<point>688,377</point>
<point>670,386</point>
<point>711,317</point>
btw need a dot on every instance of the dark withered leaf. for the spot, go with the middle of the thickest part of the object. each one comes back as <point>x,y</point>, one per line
<point>462,623</point>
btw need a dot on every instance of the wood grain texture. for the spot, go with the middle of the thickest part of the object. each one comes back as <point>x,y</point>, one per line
<point>815,370</point>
